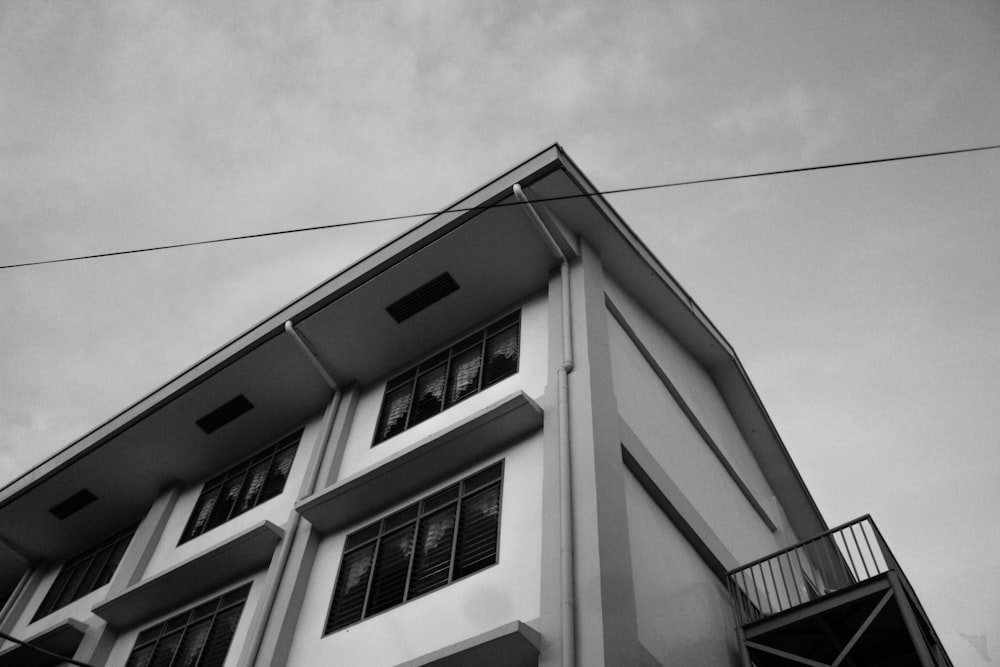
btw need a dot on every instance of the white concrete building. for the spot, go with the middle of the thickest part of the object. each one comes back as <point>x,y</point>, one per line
<point>508,437</point>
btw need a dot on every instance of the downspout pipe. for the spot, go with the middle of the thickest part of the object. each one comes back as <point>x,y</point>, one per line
<point>271,591</point>
<point>310,354</point>
<point>568,595</point>
<point>312,476</point>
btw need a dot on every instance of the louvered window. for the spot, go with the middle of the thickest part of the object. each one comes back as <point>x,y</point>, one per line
<point>199,637</point>
<point>444,537</point>
<point>244,486</point>
<point>86,572</point>
<point>478,361</point>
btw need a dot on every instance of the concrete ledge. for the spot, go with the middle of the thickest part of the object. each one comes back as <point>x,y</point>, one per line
<point>422,464</point>
<point>228,561</point>
<point>63,639</point>
<point>512,645</point>
<point>675,505</point>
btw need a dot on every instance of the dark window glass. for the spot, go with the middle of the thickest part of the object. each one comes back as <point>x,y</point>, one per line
<point>501,356</point>
<point>432,558</point>
<point>352,587</point>
<point>395,408</point>
<point>391,567</point>
<point>242,487</point>
<point>477,531</point>
<point>464,378</point>
<point>278,472</point>
<point>253,485</point>
<point>199,637</point>
<point>429,395</point>
<point>86,572</point>
<point>427,545</point>
<point>476,362</point>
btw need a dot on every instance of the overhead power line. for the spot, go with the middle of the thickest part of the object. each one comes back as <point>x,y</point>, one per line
<point>638,188</point>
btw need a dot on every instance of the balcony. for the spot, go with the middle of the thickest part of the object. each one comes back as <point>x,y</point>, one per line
<point>837,599</point>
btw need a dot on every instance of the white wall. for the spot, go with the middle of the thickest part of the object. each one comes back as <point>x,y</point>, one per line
<point>531,378</point>
<point>277,510</point>
<point>482,601</point>
<point>682,608</point>
<point>697,389</point>
<point>656,418</point>
<point>126,640</point>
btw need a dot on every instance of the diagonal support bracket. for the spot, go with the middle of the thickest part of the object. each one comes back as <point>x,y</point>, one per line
<point>844,651</point>
<point>864,626</point>
<point>786,655</point>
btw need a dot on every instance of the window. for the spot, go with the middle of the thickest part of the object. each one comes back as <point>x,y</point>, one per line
<point>431,543</point>
<point>478,361</point>
<point>86,572</point>
<point>242,487</point>
<point>199,637</point>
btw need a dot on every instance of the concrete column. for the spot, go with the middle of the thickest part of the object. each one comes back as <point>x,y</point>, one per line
<point>7,610</point>
<point>144,542</point>
<point>910,621</point>
<point>18,604</point>
<point>607,632</point>
<point>280,630</point>
<point>100,637</point>
<point>281,621</point>
<point>98,640</point>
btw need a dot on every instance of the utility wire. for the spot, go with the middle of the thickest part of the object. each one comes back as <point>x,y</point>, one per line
<point>58,657</point>
<point>697,181</point>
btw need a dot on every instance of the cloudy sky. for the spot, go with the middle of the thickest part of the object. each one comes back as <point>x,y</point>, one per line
<point>862,301</point>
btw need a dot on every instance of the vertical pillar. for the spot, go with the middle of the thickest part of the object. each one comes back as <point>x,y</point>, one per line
<point>100,637</point>
<point>293,575</point>
<point>6,612</point>
<point>18,603</point>
<point>147,537</point>
<point>910,621</point>
<point>742,643</point>
<point>98,640</point>
<point>607,632</point>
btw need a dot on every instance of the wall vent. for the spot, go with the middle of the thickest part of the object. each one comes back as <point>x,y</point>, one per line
<point>224,414</point>
<point>73,504</point>
<point>428,293</point>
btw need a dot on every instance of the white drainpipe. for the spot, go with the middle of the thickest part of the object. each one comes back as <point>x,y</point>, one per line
<point>311,478</point>
<point>565,486</point>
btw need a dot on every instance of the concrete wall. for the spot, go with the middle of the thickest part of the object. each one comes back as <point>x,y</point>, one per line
<point>530,378</point>
<point>683,610</point>
<point>480,602</point>
<point>654,415</point>
<point>726,484</point>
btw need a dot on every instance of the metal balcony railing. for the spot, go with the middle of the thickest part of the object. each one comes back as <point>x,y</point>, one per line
<point>833,561</point>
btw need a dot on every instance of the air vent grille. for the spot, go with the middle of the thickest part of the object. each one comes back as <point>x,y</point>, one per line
<point>224,414</point>
<point>73,504</point>
<point>428,293</point>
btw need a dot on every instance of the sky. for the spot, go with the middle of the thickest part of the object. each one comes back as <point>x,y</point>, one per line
<point>861,301</point>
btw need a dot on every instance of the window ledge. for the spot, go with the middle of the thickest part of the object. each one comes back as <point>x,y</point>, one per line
<point>228,561</point>
<point>512,645</point>
<point>63,639</point>
<point>420,465</point>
